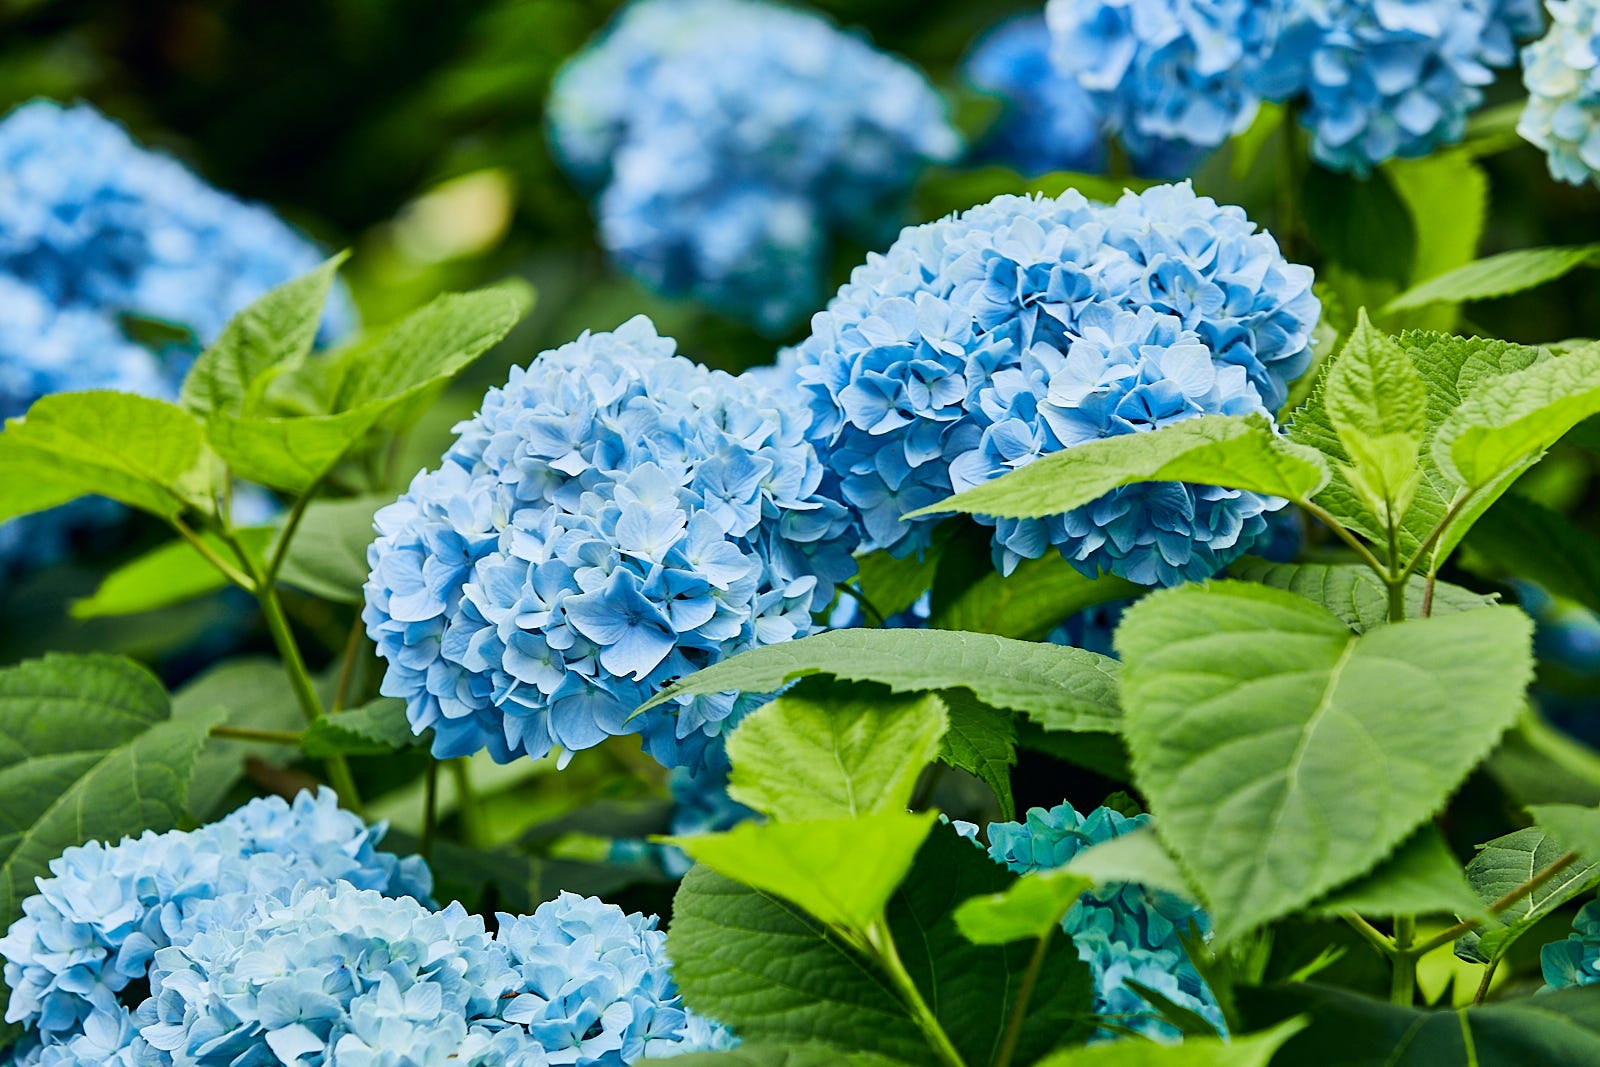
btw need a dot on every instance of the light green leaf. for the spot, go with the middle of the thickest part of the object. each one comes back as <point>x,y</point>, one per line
<point>1032,907</point>
<point>248,691</point>
<point>983,742</point>
<point>1283,755</point>
<point>1506,863</point>
<point>146,453</point>
<point>842,871</point>
<point>1241,1050</point>
<point>374,729</point>
<point>825,750</point>
<point>1138,857</point>
<point>1377,404</point>
<point>1031,601</point>
<point>168,574</point>
<point>1060,688</point>
<point>799,1055</point>
<point>1354,592</point>
<point>292,454</point>
<point>1501,275</point>
<point>88,752</point>
<point>1232,451</point>
<point>328,556</point>
<point>1421,878</point>
<point>279,328</point>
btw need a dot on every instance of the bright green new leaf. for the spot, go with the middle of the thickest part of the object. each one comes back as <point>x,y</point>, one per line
<point>1029,602</point>
<point>168,574</point>
<point>1032,907</point>
<point>292,454</point>
<point>374,729</point>
<point>146,453</point>
<point>825,750</point>
<point>1060,688</point>
<point>1506,863</point>
<point>1501,275</point>
<point>1241,1050</point>
<point>1232,451</point>
<point>1447,195</point>
<point>1137,856</point>
<point>328,556</point>
<point>1576,827</point>
<point>279,328</point>
<point>840,870</point>
<point>1421,878</point>
<point>1353,592</point>
<point>1284,755</point>
<point>1377,404</point>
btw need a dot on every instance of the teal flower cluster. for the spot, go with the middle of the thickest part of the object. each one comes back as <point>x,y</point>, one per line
<point>1562,73</point>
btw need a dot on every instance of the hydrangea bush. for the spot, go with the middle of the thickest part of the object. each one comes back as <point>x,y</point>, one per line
<point>707,188</point>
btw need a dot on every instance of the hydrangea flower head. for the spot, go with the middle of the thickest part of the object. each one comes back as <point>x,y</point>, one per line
<point>1385,79</point>
<point>1172,77</point>
<point>1122,931</point>
<point>727,139</point>
<point>1049,121</point>
<point>614,517</point>
<point>1575,961</point>
<point>1562,73</point>
<point>978,343</point>
<point>93,927</point>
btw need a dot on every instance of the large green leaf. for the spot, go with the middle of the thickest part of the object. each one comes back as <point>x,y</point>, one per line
<point>146,453</point>
<point>1283,755</point>
<point>892,585</point>
<point>842,871</point>
<point>1377,404</point>
<point>1506,863</point>
<point>1061,688</point>
<point>1576,826</point>
<point>1447,195</point>
<point>1233,451</point>
<point>88,751</point>
<point>1354,592</point>
<point>168,574</point>
<point>280,327</point>
<point>1242,1050</point>
<point>825,750</point>
<point>1028,909</point>
<point>1421,878</point>
<point>373,729</point>
<point>1500,275</point>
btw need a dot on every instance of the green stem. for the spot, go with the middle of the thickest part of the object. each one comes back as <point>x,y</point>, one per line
<point>248,733</point>
<point>1370,934</point>
<point>1483,986</point>
<point>1346,536</point>
<point>1427,592</point>
<point>286,535</point>
<point>472,821</point>
<point>1019,1010</point>
<point>882,945</point>
<point>352,645</point>
<point>232,573</point>
<point>1557,865</point>
<point>430,809</point>
<point>861,598</point>
<point>1403,988</point>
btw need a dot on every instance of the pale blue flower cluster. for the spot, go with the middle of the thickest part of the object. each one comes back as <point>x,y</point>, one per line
<point>1562,73</point>
<point>1171,77</point>
<point>613,518</point>
<point>1386,79</point>
<point>1124,932</point>
<point>1024,326</point>
<point>87,938</point>
<point>727,139</point>
<point>1049,121</point>
<point>1576,960</point>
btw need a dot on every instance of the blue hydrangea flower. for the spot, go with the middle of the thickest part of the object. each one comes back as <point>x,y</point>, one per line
<point>1172,77</point>
<point>90,932</point>
<point>980,342</point>
<point>1385,79</point>
<point>1562,73</point>
<point>1123,931</point>
<point>613,518</point>
<point>1575,961</point>
<point>727,139</point>
<point>1049,121</point>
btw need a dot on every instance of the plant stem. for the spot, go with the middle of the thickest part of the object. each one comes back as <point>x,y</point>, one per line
<point>1403,988</point>
<point>248,733</point>
<point>1346,536</point>
<point>1557,865</point>
<point>430,809</point>
<point>882,944</point>
<point>1019,1010</point>
<point>1397,578</point>
<point>866,605</point>
<point>229,571</point>
<point>472,821</point>
<point>1427,593</point>
<point>285,536</point>
<point>1370,934</point>
<point>1483,986</point>
<point>341,688</point>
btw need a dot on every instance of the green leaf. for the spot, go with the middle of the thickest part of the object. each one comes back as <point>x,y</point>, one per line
<point>893,585</point>
<point>167,574</point>
<point>800,1055</point>
<point>374,729</point>
<point>88,752</point>
<point>1138,857</point>
<point>1377,404</point>
<point>252,692</point>
<point>1501,275</point>
<point>1506,863</point>
<point>1421,878</point>
<point>146,453</point>
<point>1030,908</point>
<point>824,750</point>
<point>1361,224</point>
<point>1528,540</point>
<point>840,870</point>
<point>983,742</point>
<point>1060,688</point>
<point>1283,755</point>
<point>1350,1030</point>
<point>1501,430</point>
<point>1575,826</point>
<point>1354,593</point>
<point>1031,601</point>
<point>279,328</point>
<point>1241,1050</point>
<point>1447,196</point>
<point>1232,451</point>
<point>328,556</point>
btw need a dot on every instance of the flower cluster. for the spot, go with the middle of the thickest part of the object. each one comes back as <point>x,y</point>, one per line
<point>1124,932</point>
<point>1049,121</point>
<point>1381,79</point>
<point>614,517</point>
<point>978,343</point>
<point>88,936</point>
<point>728,138</point>
<point>1575,961</point>
<point>1562,72</point>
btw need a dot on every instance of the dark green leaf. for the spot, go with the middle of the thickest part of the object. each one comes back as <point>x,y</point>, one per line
<point>1528,540</point>
<point>983,742</point>
<point>1243,1050</point>
<point>374,729</point>
<point>252,692</point>
<point>1027,604</point>
<point>328,556</point>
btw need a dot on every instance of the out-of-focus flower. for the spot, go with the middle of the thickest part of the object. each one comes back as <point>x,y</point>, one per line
<point>613,518</point>
<point>1048,121</point>
<point>1562,73</point>
<point>728,139</point>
